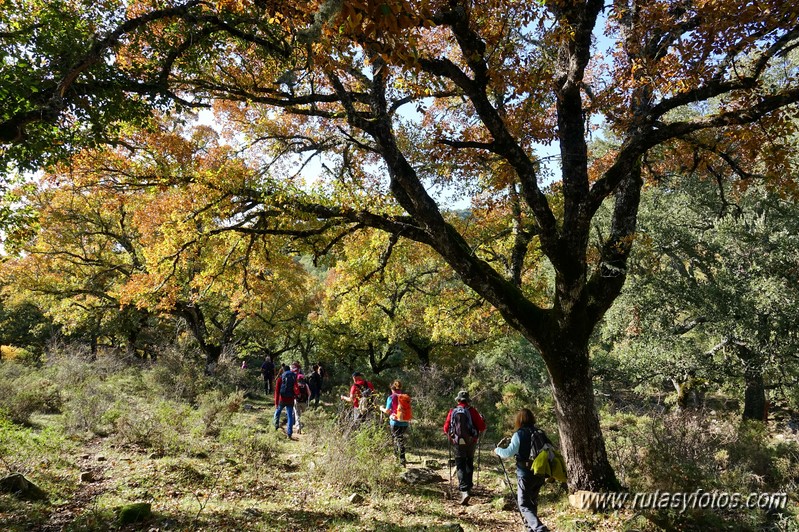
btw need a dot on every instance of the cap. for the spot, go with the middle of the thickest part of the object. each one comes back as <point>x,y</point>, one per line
<point>463,396</point>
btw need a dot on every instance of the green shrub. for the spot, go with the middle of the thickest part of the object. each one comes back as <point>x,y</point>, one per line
<point>161,426</point>
<point>25,391</point>
<point>178,375</point>
<point>44,456</point>
<point>251,448</point>
<point>90,408</point>
<point>216,410</point>
<point>362,458</point>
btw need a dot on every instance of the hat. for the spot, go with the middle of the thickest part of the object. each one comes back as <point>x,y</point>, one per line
<point>463,396</point>
<point>357,374</point>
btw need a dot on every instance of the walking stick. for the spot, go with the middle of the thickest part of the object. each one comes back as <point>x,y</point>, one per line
<point>479,441</point>
<point>449,463</point>
<point>507,479</point>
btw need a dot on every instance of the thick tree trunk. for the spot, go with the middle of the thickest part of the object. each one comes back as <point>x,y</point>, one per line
<point>754,395</point>
<point>581,439</point>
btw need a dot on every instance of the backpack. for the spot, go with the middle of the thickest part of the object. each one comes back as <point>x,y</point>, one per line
<point>403,407</point>
<point>287,381</point>
<point>301,391</point>
<point>366,397</point>
<point>461,428</point>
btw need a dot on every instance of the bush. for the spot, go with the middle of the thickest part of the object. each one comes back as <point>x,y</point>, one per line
<point>216,409</point>
<point>44,456</point>
<point>362,459</point>
<point>255,449</point>
<point>160,425</point>
<point>178,375</point>
<point>91,407</point>
<point>25,391</point>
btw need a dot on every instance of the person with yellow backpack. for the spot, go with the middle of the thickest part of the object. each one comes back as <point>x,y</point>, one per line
<point>398,407</point>
<point>527,444</point>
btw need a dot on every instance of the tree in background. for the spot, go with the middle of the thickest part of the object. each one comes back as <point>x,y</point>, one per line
<point>119,244</point>
<point>485,87</point>
<point>714,292</point>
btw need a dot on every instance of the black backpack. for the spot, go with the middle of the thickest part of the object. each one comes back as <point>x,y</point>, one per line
<point>461,428</point>
<point>287,381</point>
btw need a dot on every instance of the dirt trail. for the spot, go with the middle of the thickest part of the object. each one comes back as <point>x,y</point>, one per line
<point>92,482</point>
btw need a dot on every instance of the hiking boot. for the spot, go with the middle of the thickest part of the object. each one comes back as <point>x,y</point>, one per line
<point>465,498</point>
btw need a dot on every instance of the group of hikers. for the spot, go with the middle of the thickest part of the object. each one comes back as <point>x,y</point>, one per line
<point>464,427</point>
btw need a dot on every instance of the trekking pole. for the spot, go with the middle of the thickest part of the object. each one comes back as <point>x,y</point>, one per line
<point>479,441</point>
<point>507,479</point>
<point>449,463</point>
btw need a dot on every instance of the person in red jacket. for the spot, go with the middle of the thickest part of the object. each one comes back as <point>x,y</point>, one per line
<point>361,392</point>
<point>464,426</point>
<point>284,398</point>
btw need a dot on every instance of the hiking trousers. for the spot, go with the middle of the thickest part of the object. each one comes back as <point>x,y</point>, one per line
<point>398,432</point>
<point>527,495</point>
<point>464,463</point>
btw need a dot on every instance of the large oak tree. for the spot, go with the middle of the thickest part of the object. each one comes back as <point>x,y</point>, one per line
<point>485,87</point>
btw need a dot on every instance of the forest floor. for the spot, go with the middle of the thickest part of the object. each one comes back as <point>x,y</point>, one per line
<point>216,491</point>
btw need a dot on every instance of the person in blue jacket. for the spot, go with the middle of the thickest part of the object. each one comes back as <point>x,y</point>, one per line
<point>398,428</point>
<point>526,443</point>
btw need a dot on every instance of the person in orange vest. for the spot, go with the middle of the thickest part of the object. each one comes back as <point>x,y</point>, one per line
<point>399,427</point>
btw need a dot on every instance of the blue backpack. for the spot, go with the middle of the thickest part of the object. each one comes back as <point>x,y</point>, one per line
<point>287,381</point>
<point>461,428</point>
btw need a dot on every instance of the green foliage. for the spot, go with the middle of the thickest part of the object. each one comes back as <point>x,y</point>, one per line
<point>92,407</point>
<point>25,391</point>
<point>712,294</point>
<point>253,449</point>
<point>159,425</point>
<point>178,375</point>
<point>43,455</point>
<point>361,459</point>
<point>690,451</point>
<point>216,410</point>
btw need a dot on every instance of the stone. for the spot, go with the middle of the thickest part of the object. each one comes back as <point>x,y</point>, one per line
<point>584,500</point>
<point>431,463</point>
<point>134,513</point>
<point>86,476</point>
<point>22,488</point>
<point>421,476</point>
<point>356,498</point>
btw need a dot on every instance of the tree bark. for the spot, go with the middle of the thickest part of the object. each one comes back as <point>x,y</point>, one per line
<point>754,395</point>
<point>581,439</point>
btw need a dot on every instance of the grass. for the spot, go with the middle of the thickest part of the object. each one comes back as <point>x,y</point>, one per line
<point>222,466</point>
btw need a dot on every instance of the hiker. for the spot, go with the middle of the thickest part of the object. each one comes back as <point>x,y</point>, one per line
<point>464,426</point>
<point>315,384</point>
<point>526,443</point>
<point>360,396</point>
<point>302,393</point>
<point>284,398</point>
<point>268,371</point>
<point>398,407</point>
<point>322,377</point>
